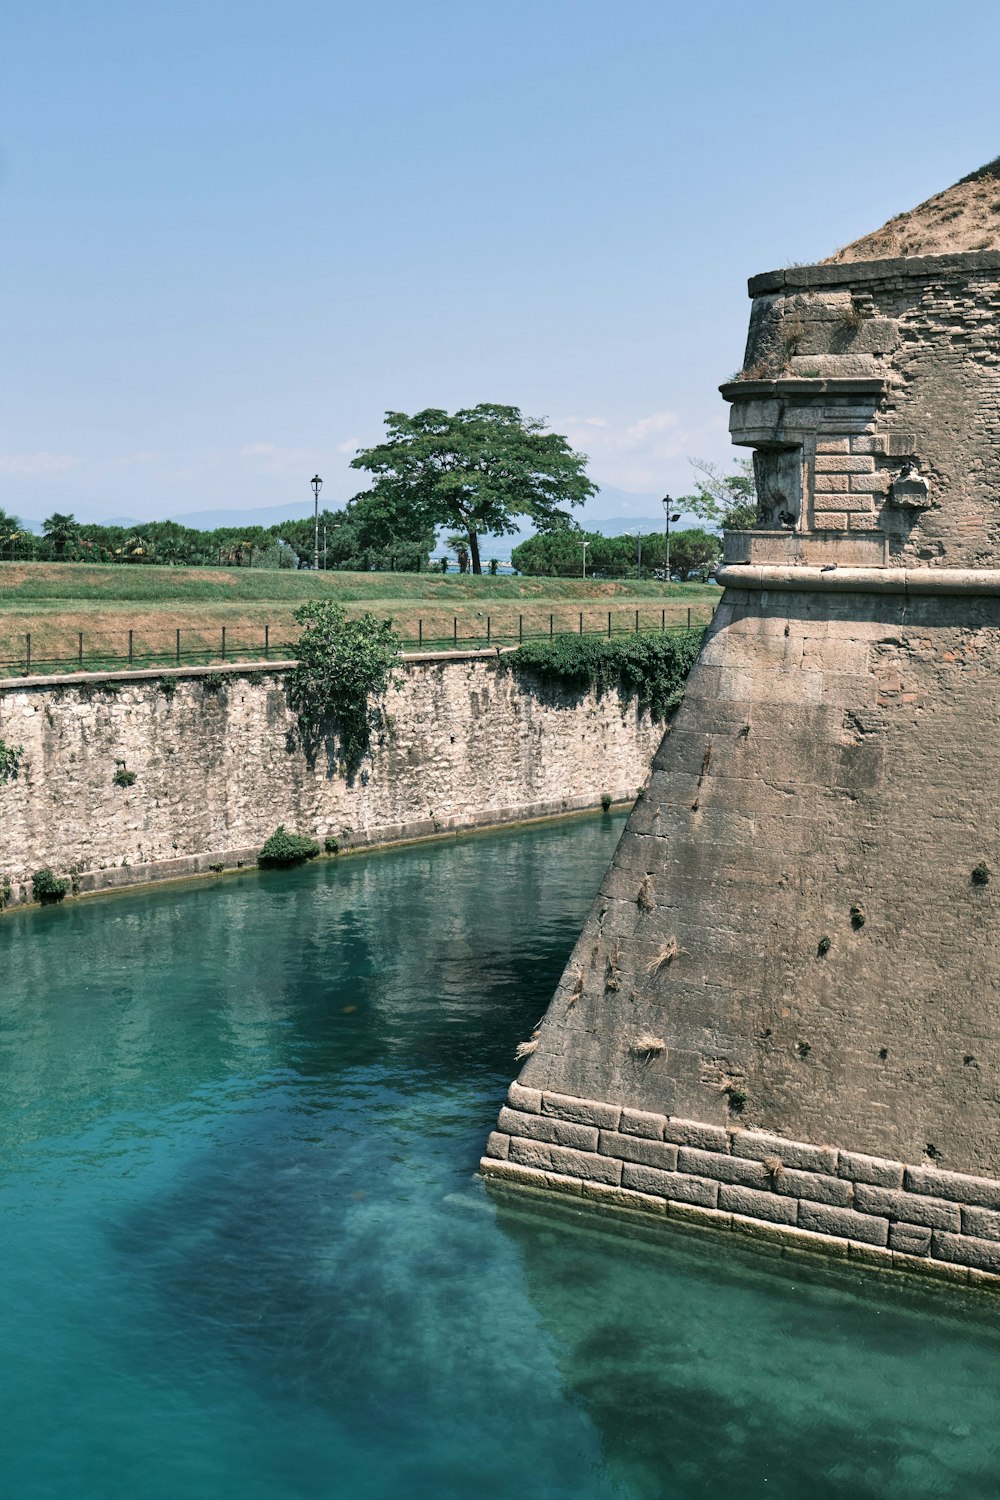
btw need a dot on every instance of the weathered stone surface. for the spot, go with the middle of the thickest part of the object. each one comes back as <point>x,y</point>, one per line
<point>843,1221</point>
<point>967,1251</point>
<point>642,1122</point>
<point>661,1154</point>
<point>873,1169</point>
<point>529,1101</point>
<point>724,1168</point>
<point>757,1205</point>
<point>617,1197</point>
<point>582,1111</point>
<point>818,1186</point>
<point>545,1157</point>
<point>759,1145</point>
<point>984,1192</point>
<point>983,1223</point>
<point>911,1239</point>
<point>462,745</point>
<point>910,1207</point>
<point>673,1185</point>
<point>497,1145</point>
<point>544,1128</point>
<point>695,1133</point>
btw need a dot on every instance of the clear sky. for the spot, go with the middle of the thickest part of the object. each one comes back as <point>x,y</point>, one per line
<point>234,234</point>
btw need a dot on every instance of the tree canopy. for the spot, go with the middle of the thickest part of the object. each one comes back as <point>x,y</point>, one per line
<point>693,554</point>
<point>475,471</point>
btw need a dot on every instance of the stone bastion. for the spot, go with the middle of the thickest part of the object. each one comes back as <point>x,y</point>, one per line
<point>781,1017</point>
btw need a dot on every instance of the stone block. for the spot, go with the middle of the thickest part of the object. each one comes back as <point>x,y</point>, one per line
<point>863,520</point>
<point>870,1255</point>
<point>911,1239</point>
<point>819,1187</point>
<point>617,1197</point>
<point>528,1100</point>
<point>722,1167</point>
<point>984,1223</point>
<point>869,484</point>
<point>835,463</point>
<point>873,1169</point>
<point>512,1172</point>
<point>548,1158</point>
<point>546,1128</point>
<point>833,445</point>
<point>869,444</point>
<point>831,484</point>
<point>896,1204</point>
<point>641,1122</point>
<point>940,1270</point>
<point>841,1221</point>
<point>582,1111</point>
<point>662,1154</point>
<point>693,1213</point>
<point>900,444</point>
<point>967,1251</point>
<point>759,1144</point>
<point>693,1133</point>
<point>497,1145</point>
<point>982,1192</point>
<point>672,1185</point>
<point>834,520</point>
<point>757,1205</point>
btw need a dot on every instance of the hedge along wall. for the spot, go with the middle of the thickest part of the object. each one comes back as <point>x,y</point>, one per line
<point>218,763</point>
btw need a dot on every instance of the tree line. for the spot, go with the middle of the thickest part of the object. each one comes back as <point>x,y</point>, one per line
<point>479,472</point>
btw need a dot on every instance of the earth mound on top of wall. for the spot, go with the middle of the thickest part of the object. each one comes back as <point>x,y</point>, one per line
<point>964,217</point>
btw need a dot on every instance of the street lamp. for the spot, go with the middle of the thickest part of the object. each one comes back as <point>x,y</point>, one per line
<point>585,544</point>
<point>317,485</point>
<point>667,518</point>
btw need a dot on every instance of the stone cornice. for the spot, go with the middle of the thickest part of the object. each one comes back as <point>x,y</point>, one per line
<point>747,390</point>
<point>898,581</point>
<point>850,273</point>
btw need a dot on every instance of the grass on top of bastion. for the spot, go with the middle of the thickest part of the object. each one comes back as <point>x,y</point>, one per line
<point>82,614</point>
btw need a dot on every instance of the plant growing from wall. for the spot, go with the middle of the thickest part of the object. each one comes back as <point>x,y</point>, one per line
<point>10,761</point>
<point>284,848</point>
<point>47,887</point>
<point>122,777</point>
<point>651,669</point>
<point>345,666</point>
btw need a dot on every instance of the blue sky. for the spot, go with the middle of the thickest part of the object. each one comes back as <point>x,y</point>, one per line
<point>232,235</point>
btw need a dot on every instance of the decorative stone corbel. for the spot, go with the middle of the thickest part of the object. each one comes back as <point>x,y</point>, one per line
<point>910,491</point>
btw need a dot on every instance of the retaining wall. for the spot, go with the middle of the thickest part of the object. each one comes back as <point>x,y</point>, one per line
<point>218,763</point>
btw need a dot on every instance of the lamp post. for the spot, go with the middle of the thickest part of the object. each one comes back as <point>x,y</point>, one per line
<point>667,518</point>
<point>317,485</point>
<point>585,545</point>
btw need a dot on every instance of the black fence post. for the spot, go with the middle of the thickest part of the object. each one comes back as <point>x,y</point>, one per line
<point>27,652</point>
<point>223,643</point>
<point>420,632</point>
<point>488,630</point>
<point>178,648</point>
<point>689,617</point>
<point>267,641</point>
<point>552,626</point>
<point>609,624</point>
<point>581,622</point>
<point>130,648</point>
<point>520,629</point>
<point>454,630</point>
<point>663,619</point>
<point>80,652</point>
<point>637,622</point>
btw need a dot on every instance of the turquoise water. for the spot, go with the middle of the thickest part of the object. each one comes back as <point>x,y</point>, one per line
<point>244,1253</point>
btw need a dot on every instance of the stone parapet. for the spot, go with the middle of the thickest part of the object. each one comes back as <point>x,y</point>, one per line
<point>833,579</point>
<point>809,1196</point>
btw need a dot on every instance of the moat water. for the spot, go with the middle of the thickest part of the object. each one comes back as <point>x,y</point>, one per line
<point>244,1253</point>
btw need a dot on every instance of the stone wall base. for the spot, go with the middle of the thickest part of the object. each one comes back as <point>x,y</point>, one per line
<point>783,1193</point>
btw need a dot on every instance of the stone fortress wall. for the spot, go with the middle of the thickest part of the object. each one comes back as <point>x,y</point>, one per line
<point>781,1016</point>
<point>218,766</point>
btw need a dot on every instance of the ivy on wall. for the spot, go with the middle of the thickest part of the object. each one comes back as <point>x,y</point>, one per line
<point>651,669</point>
<point>344,667</point>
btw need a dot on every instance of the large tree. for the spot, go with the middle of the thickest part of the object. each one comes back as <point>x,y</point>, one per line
<point>476,471</point>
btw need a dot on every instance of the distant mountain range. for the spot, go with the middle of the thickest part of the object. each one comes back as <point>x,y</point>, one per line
<point>611,512</point>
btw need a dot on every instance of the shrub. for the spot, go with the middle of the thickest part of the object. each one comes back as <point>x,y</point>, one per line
<point>331,845</point>
<point>343,666</point>
<point>46,887</point>
<point>212,682</point>
<point>10,761</point>
<point>123,777</point>
<point>651,669</point>
<point>284,848</point>
<point>606,801</point>
<point>167,686</point>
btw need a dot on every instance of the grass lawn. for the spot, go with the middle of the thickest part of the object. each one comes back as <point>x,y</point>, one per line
<point>55,602</point>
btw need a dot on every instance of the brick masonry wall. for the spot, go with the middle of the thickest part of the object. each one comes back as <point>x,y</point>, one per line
<point>789,940</point>
<point>461,745</point>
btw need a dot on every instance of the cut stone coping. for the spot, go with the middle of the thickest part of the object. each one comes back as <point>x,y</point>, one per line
<point>850,272</point>
<point>787,385</point>
<point>223,668</point>
<point>906,582</point>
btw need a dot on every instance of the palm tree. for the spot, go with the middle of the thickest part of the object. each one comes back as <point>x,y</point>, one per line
<point>61,531</point>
